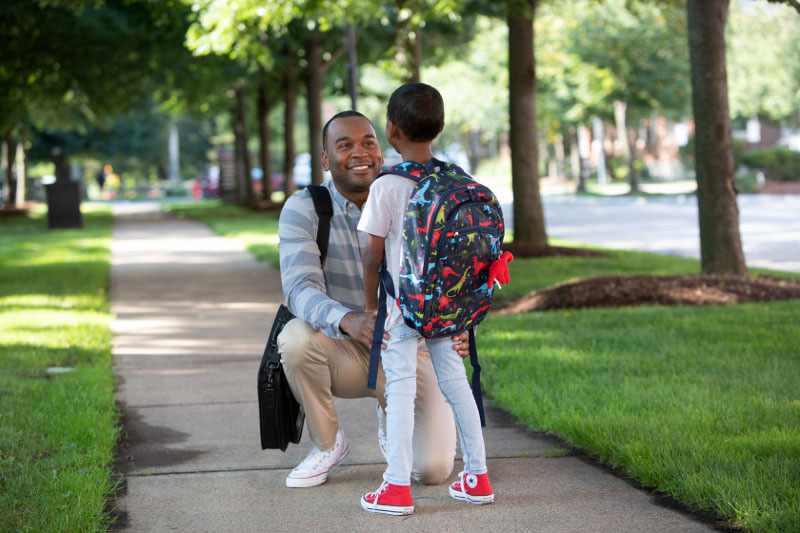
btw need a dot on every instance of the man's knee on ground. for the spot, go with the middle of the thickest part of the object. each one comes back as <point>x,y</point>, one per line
<point>435,471</point>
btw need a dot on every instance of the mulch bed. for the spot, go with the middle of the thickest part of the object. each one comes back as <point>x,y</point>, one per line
<point>618,291</point>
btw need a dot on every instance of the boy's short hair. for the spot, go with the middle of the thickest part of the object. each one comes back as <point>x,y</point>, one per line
<point>418,110</point>
<point>341,114</point>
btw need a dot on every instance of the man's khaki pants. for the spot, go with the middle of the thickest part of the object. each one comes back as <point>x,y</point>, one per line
<point>319,368</point>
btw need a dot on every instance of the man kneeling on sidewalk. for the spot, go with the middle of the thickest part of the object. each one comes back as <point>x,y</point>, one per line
<point>325,349</point>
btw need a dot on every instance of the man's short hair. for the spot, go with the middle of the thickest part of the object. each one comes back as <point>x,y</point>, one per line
<point>341,114</point>
<point>418,110</point>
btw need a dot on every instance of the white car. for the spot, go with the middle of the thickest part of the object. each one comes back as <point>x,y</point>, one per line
<point>790,141</point>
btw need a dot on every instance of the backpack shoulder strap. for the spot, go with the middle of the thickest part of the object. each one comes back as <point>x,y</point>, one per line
<point>323,205</point>
<point>435,165</point>
<point>476,376</point>
<point>408,169</point>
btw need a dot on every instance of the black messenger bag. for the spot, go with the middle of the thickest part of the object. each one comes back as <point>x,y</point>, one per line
<point>280,416</point>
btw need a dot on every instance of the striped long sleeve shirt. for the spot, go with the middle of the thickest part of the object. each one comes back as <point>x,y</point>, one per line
<point>321,296</point>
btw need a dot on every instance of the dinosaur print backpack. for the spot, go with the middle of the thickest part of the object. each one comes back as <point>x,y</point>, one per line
<point>452,237</point>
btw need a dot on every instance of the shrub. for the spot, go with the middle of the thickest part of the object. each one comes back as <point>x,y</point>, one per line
<point>780,164</point>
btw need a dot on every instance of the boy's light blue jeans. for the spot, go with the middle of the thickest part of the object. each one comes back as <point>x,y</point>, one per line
<point>399,361</point>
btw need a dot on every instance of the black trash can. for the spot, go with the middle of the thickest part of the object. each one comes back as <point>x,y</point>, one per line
<point>64,205</point>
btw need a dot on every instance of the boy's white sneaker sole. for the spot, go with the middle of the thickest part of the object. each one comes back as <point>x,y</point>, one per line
<point>464,497</point>
<point>395,510</point>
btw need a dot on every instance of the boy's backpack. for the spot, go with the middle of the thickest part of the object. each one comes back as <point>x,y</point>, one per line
<point>452,234</point>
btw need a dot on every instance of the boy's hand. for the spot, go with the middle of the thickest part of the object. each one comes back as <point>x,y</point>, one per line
<point>461,345</point>
<point>360,326</point>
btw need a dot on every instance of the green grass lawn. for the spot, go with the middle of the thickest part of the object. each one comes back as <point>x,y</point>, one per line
<point>57,432</point>
<point>700,403</point>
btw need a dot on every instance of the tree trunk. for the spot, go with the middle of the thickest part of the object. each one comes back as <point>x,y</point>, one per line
<point>243,164</point>
<point>621,123</point>
<point>22,174</point>
<point>290,99</point>
<point>264,105</point>
<point>415,53</point>
<point>475,153</point>
<point>408,41</point>
<point>633,173</point>
<point>529,229</point>
<point>352,66</point>
<point>9,185</point>
<point>720,242</point>
<point>314,97</point>
<point>174,154</point>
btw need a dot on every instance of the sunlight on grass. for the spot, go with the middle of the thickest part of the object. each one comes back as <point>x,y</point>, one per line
<point>699,402</point>
<point>57,433</point>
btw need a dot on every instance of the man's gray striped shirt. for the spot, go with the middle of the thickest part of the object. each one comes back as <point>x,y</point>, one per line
<point>321,297</point>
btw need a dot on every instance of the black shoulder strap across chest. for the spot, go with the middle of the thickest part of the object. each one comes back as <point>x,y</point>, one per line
<point>323,205</point>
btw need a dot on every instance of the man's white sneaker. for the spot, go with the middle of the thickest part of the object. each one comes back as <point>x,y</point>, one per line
<point>318,464</point>
<point>381,430</point>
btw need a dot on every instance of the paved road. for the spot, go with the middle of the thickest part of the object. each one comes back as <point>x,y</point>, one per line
<point>770,225</point>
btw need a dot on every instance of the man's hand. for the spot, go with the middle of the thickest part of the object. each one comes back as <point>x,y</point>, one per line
<point>461,345</point>
<point>360,326</point>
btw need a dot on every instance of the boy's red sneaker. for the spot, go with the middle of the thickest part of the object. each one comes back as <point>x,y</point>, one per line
<point>472,488</point>
<point>389,499</point>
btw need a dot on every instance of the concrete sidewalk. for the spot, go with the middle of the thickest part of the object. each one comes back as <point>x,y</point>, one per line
<point>193,312</point>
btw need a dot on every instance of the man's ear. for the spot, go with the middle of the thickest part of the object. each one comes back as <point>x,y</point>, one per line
<point>324,158</point>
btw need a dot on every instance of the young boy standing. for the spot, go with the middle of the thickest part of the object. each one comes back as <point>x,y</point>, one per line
<point>415,117</point>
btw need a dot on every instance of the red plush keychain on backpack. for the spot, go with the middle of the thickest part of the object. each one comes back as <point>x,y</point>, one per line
<point>498,271</point>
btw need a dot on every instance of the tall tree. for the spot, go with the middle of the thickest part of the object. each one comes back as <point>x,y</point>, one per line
<point>529,227</point>
<point>720,241</point>
<point>264,107</point>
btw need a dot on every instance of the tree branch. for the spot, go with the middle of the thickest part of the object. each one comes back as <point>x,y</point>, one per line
<point>334,56</point>
<point>793,3</point>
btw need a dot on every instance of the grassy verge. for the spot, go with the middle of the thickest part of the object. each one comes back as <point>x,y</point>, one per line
<point>57,432</point>
<point>700,403</point>
<point>257,230</point>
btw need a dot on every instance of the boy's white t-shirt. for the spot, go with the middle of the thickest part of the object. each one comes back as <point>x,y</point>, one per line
<point>382,216</point>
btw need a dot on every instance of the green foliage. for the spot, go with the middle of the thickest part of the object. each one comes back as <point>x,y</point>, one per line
<point>57,432</point>
<point>781,164</point>
<point>763,60</point>
<point>68,67</point>
<point>592,53</point>
<point>484,69</point>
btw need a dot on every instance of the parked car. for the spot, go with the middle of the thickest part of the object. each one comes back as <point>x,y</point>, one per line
<point>791,141</point>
